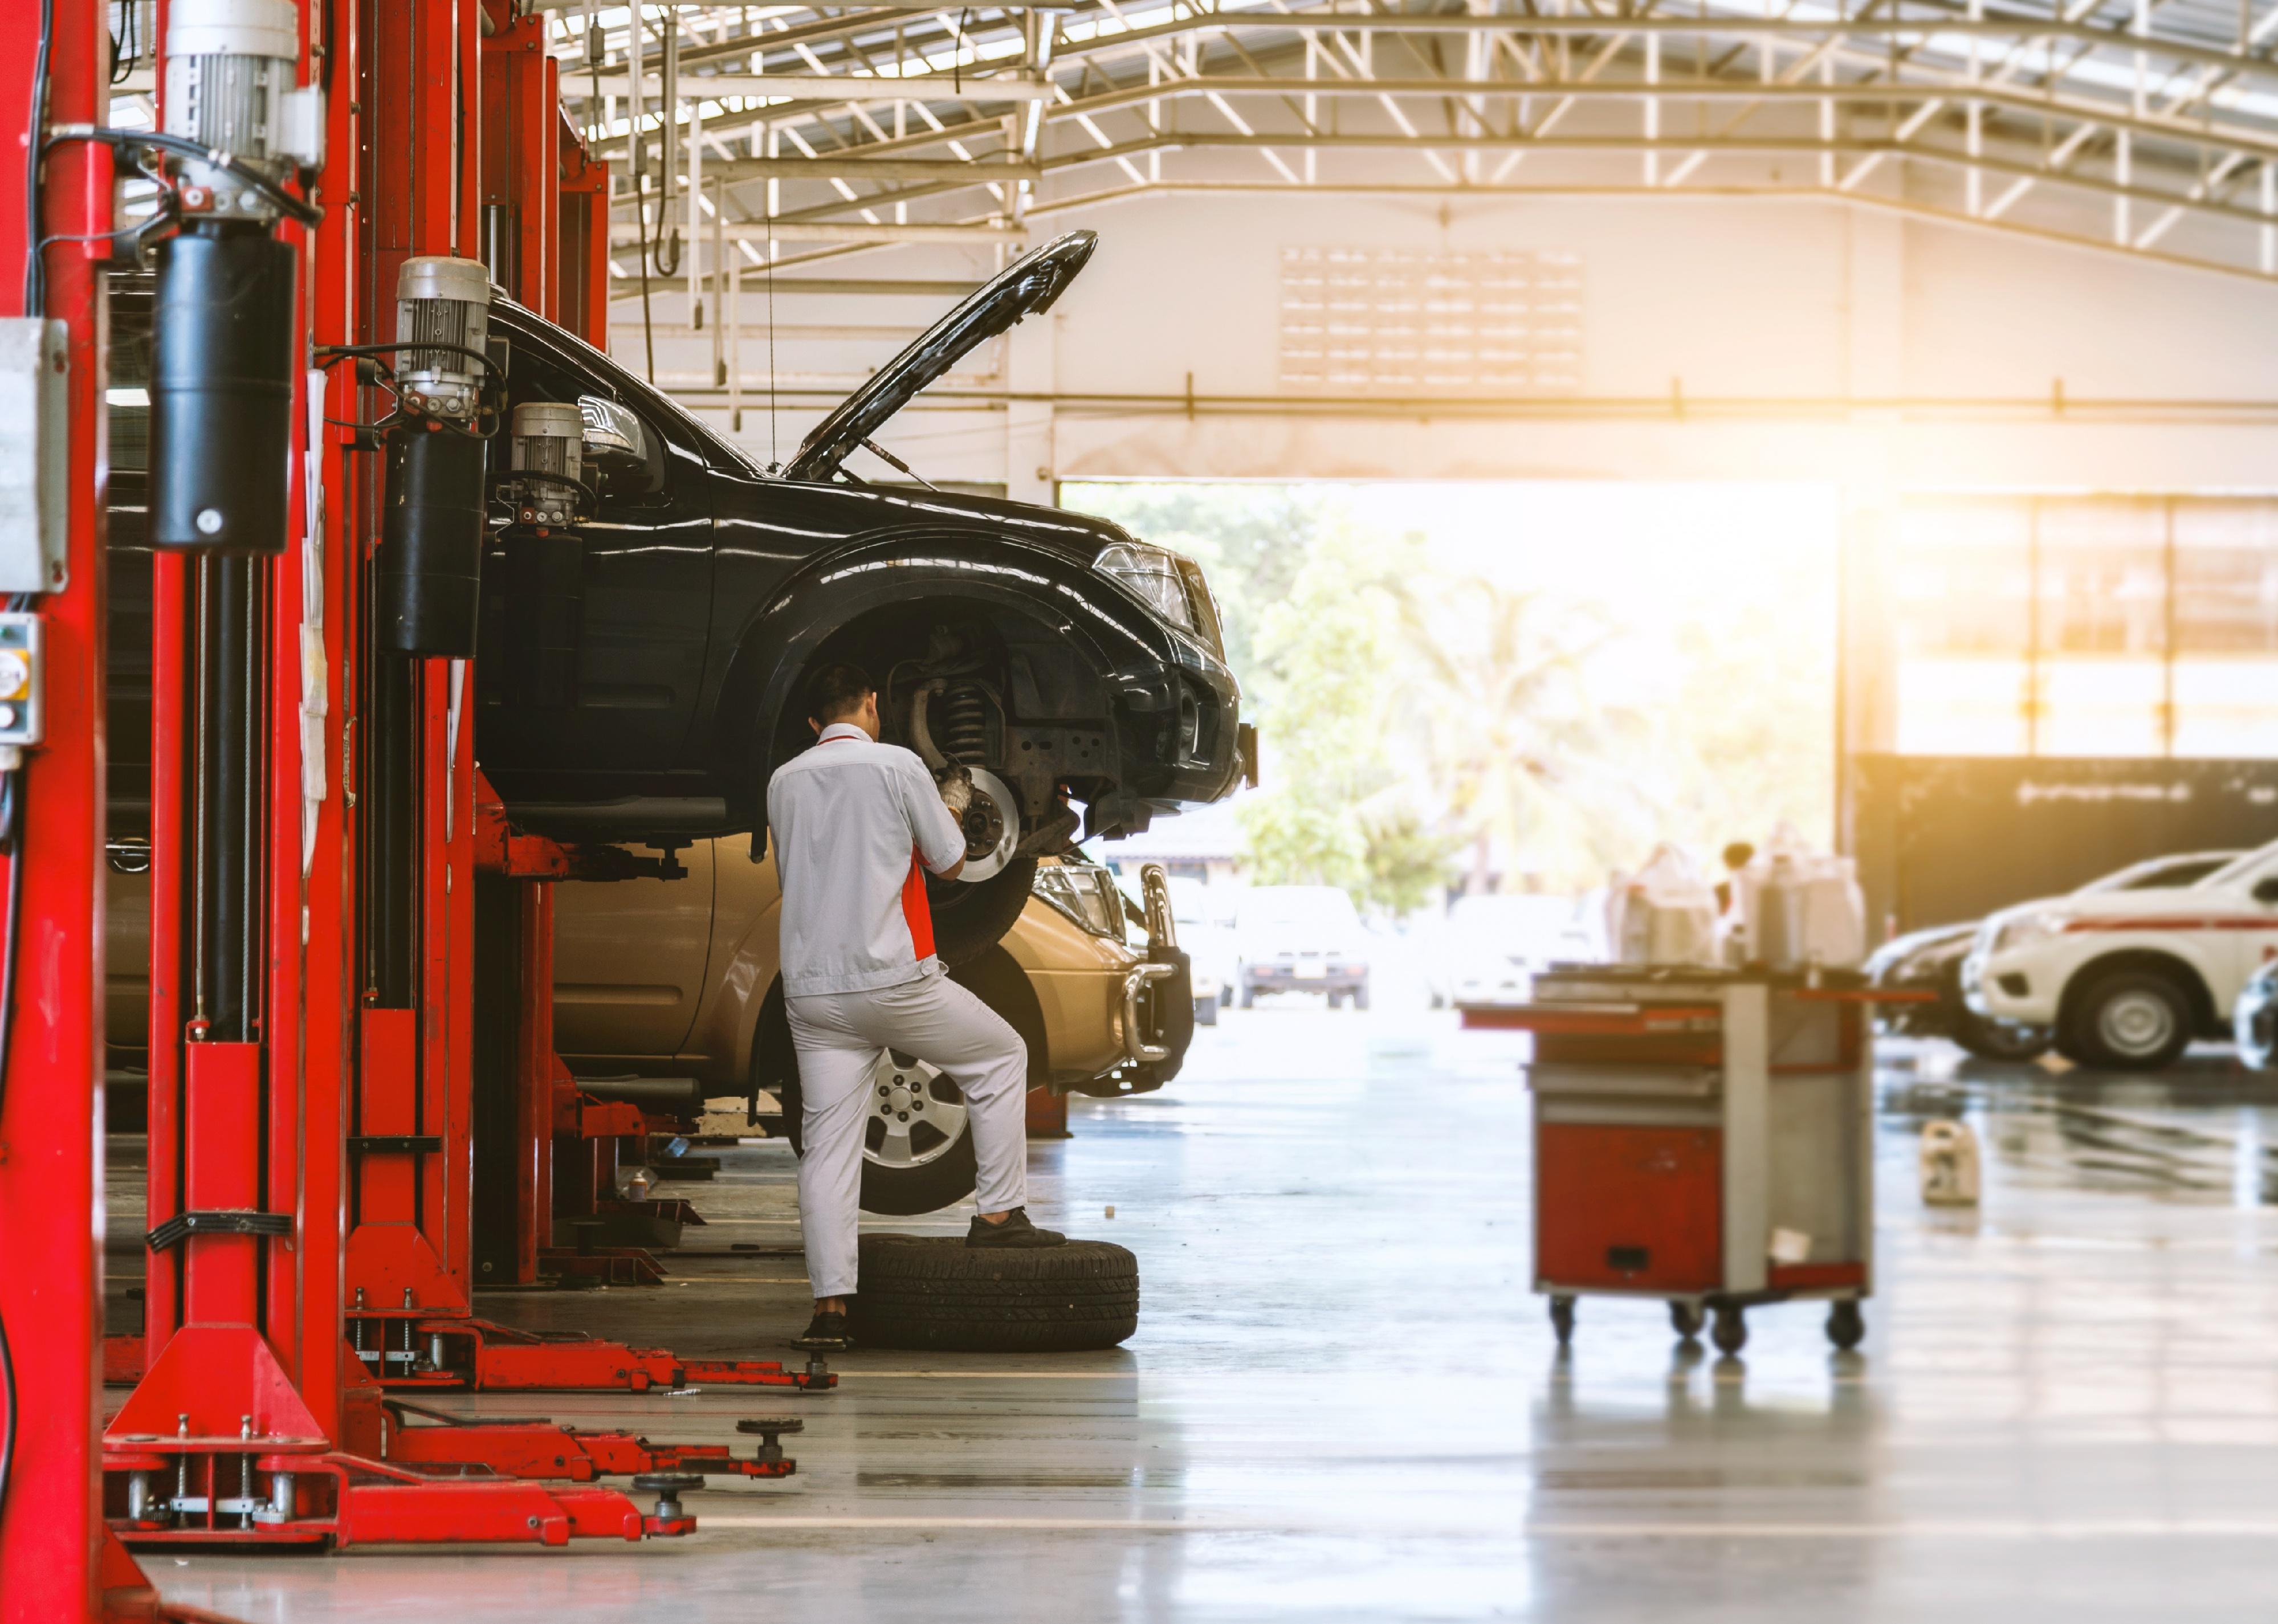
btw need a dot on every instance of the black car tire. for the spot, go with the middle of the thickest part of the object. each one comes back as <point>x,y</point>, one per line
<point>970,920</point>
<point>1997,1041</point>
<point>1206,1010</point>
<point>2129,1020</point>
<point>1248,996</point>
<point>936,1292</point>
<point>1360,996</point>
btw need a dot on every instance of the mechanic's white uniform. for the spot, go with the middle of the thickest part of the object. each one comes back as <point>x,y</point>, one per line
<point>850,821</point>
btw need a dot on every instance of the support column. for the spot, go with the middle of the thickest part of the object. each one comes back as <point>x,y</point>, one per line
<point>1866,712</point>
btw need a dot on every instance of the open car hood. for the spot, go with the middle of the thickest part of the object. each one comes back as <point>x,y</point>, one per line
<point>1028,285</point>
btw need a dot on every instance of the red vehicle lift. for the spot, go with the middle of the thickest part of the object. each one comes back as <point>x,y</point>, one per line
<point>311,1129</point>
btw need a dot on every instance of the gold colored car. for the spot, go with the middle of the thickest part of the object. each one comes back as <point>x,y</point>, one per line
<point>677,978</point>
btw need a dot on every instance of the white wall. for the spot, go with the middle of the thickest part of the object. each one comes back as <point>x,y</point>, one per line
<point>1789,324</point>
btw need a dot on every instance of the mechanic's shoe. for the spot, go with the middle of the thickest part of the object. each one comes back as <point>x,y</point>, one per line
<point>1015,1230</point>
<point>826,1333</point>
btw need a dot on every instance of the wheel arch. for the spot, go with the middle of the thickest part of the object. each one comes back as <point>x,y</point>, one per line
<point>777,646</point>
<point>2158,961</point>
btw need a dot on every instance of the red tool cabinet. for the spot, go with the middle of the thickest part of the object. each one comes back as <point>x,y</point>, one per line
<point>1701,1136</point>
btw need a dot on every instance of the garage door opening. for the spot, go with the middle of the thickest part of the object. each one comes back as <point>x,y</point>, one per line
<point>1511,686</point>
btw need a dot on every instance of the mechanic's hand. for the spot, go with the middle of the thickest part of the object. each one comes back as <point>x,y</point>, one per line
<point>955,782</point>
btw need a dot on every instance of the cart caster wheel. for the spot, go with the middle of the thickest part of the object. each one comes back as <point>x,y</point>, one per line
<point>1562,1319</point>
<point>1731,1332</point>
<point>1685,1319</point>
<point>1846,1327</point>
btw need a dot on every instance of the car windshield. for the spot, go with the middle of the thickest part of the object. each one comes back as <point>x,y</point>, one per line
<point>2159,874</point>
<point>2244,868</point>
<point>1310,907</point>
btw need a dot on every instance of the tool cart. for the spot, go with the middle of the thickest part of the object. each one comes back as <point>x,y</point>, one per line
<point>1703,1136</point>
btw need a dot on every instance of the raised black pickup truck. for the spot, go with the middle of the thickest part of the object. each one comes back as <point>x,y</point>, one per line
<point>640,681</point>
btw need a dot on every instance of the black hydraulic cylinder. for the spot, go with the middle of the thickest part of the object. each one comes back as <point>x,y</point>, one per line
<point>391,912</point>
<point>431,552</point>
<point>223,360</point>
<point>225,903</point>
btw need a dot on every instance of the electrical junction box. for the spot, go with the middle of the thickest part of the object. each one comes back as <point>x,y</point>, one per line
<point>35,454</point>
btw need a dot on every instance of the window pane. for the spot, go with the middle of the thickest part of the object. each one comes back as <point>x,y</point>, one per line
<point>2106,706</point>
<point>2104,577</point>
<point>2226,627</point>
<point>1962,579</point>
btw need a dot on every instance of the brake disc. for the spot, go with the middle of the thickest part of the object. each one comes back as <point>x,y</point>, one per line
<point>992,827</point>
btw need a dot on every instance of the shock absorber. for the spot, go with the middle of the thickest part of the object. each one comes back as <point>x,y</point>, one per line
<point>963,734</point>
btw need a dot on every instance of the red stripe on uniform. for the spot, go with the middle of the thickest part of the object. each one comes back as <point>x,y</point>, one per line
<point>917,912</point>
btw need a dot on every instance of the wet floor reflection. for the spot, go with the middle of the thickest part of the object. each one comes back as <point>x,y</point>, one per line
<point>2206,1130</point>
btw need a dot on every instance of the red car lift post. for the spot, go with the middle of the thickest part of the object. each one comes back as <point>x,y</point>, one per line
<point>411,1202</point>
<point>250,1424</point>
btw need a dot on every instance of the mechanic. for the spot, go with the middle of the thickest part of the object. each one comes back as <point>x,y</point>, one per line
<point>855,823</point>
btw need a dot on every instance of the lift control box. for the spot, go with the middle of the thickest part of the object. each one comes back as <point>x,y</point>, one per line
<point>35,454</point>
<point>1700,1135</point>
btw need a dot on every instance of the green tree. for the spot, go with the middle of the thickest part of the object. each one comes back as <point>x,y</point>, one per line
<point>1252,540</point>
<point>1408,859</point>
<point>1544,775</point>
<point>1327,683</point>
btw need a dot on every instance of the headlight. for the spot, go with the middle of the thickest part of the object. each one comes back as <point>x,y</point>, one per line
<point>1153,573</point>
<point>2020,928</point>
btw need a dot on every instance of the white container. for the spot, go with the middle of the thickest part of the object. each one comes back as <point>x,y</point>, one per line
<point>1663,914</point>
<point>1800,907</point>
<point>1949,1165</point>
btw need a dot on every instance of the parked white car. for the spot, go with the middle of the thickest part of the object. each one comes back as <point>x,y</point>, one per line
<point>1206,922</point>
<point>1493,946</point>
<point>2127,978</point>
<point>1301,938</point>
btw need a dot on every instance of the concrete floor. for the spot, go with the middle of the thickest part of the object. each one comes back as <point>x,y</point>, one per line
<point>1343,1403</point>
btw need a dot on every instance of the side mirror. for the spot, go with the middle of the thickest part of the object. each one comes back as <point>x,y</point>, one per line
<point>615,437</point>
<point>2266,890</point>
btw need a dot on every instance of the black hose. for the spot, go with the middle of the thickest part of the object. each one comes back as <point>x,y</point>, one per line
<point>34,294</point>
<point>299,209</point>
<point>330,353</point>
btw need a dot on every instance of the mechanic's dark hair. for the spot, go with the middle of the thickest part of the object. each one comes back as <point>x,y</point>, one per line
<point>1738,854</point>
<point>836,692</point>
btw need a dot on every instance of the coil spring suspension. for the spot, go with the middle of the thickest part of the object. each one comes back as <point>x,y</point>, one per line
<point>961,730</point>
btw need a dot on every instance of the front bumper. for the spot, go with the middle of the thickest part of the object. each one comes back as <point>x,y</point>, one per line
<point>2006,987</point>
<point>1305,979</point>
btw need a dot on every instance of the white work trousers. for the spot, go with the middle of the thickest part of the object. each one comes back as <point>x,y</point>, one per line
<point>840,1036</point>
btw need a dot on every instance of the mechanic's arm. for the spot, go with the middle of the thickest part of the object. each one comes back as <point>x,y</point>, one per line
<point>934,829</point>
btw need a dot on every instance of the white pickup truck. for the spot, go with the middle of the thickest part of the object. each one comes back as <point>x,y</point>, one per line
<point>2127,977</point>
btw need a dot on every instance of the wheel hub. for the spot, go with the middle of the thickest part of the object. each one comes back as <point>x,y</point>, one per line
<point>915,1113</point>
<point>2137,1022</point>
